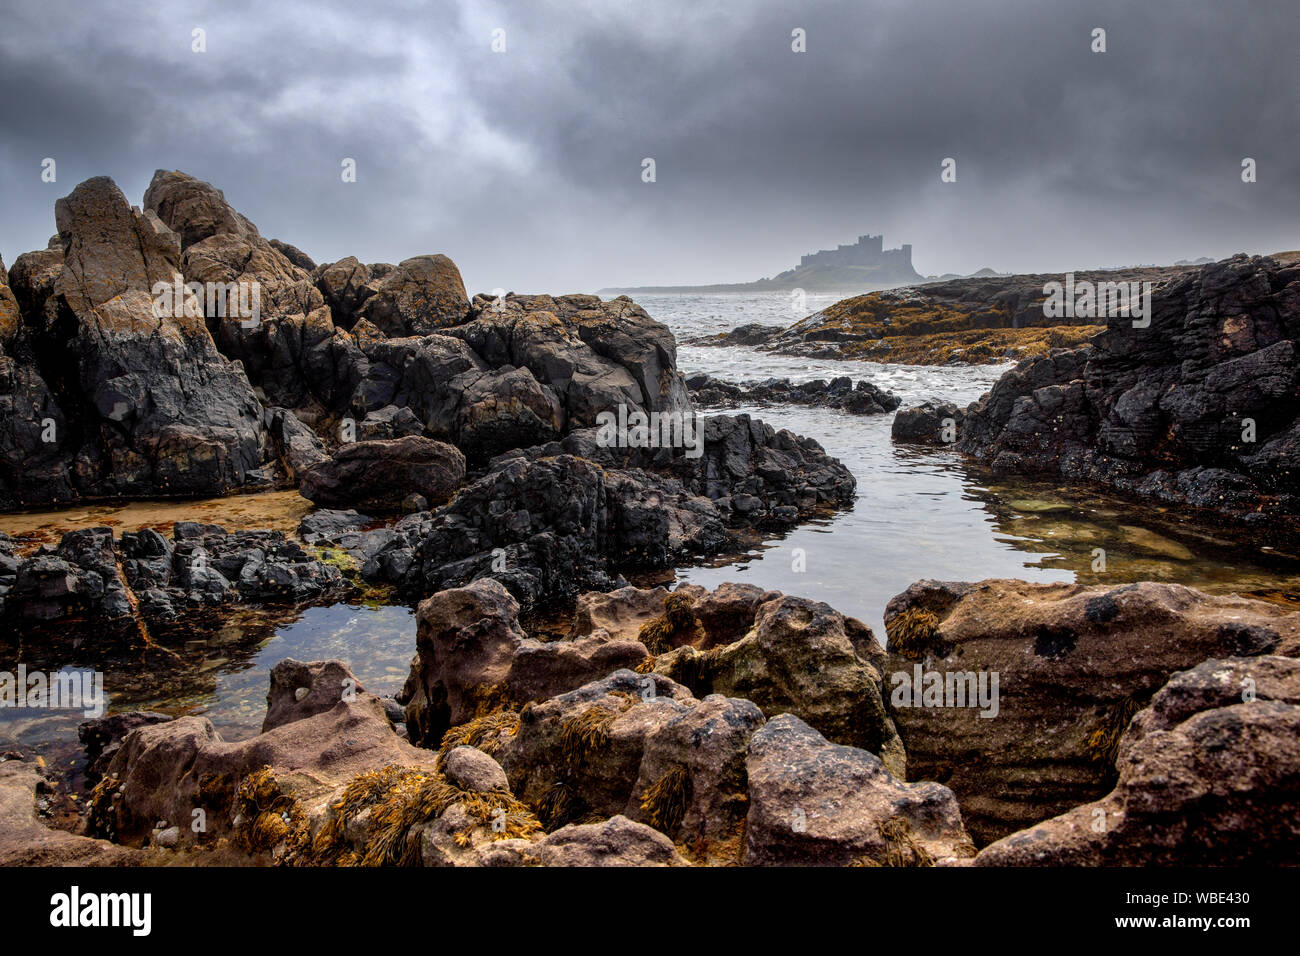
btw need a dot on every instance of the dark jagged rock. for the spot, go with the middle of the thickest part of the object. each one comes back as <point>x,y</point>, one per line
<point>145,576</point>
<point>100,396</point>
<point>754,474</point>
<point>381,475</point>
<point>931,423</point>
<point>1200,408</point>
<point>560,518</point>
<point>862,399</point>
<point>327,525</point>
<point>106,398</point>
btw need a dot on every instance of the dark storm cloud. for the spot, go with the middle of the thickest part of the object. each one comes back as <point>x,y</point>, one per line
<point>525,166</point>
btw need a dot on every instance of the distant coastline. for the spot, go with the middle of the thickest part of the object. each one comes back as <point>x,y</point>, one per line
<point>864,266</point>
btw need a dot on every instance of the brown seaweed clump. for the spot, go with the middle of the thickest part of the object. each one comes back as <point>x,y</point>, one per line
<point>911,633</point>
<point>664,802</point>
<point>395,802</point>
<point>676,626</point>
<point>902,848</point>
<point>487,733</point>
<point>266,819</point>
<point>1103,743</point>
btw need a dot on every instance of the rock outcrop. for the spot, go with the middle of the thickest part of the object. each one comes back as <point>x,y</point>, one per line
<point>386,474</point>
<point>105,396</point>
<point>864,398</point>
<point>1201,406</point>
<point>144,576</point>
<point>804,658</point>
<point>1208,774</point>
<point>815,803</point>
<point>1072,664</point>
<point>472,656</point>
<point>175,351</point>
<point>969,320</point>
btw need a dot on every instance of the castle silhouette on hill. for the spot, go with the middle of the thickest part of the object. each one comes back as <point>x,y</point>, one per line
<point>862,267</point>
<point>867,251</point>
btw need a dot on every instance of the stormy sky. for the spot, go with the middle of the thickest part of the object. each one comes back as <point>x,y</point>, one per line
<point>525,166</point>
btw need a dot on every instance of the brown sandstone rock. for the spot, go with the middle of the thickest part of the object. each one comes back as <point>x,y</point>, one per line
<point>26,840</point>
<point>1206,778</point>
<point>815,803</point>
<point>1073,663</point>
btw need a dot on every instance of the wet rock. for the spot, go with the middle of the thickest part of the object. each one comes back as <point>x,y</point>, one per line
<point>300,690</point>
<point>802,657</point>
<point>102,736</point>
<point>538,527</point>
<point>752,333</point>
<point>620,613</point>
<point>1073,664</point>
<point>81,576</point>
<point>297,445</point>
<point>378,475</point>
<point>931,423</point>
<point>28,840</point>
<point>580,753</point>
<point>617,841</point>
<point>1162,410</point>
<point>472,656</point>
<point>328,524</point>
<point>146,577</point>
<point>1207,777</point>
<point>294,772</point>
<point>389,422</point>
<point>727,612</point>
<point>863,399</point>
<point>815,803</point>
<point>692,783</point>
<point>472,769</point>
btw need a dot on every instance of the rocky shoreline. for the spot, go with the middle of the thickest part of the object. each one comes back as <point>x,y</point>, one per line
<point>1200,408</point>
<point>976,320</point>
<point>377,387</point>
<point>495,461</point>
<point>729,727</point>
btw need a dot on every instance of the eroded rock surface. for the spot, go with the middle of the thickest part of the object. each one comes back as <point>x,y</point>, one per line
<point>1200,407</point>
<point>1209,774</point>
<point>1073,665</point>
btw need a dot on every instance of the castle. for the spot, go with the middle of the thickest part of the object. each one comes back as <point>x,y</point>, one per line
<point>867,251</point>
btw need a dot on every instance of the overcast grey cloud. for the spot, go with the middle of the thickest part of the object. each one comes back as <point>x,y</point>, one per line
<point>525,166</point>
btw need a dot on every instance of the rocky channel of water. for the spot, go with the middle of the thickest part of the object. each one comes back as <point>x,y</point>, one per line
<point>421,473</point>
